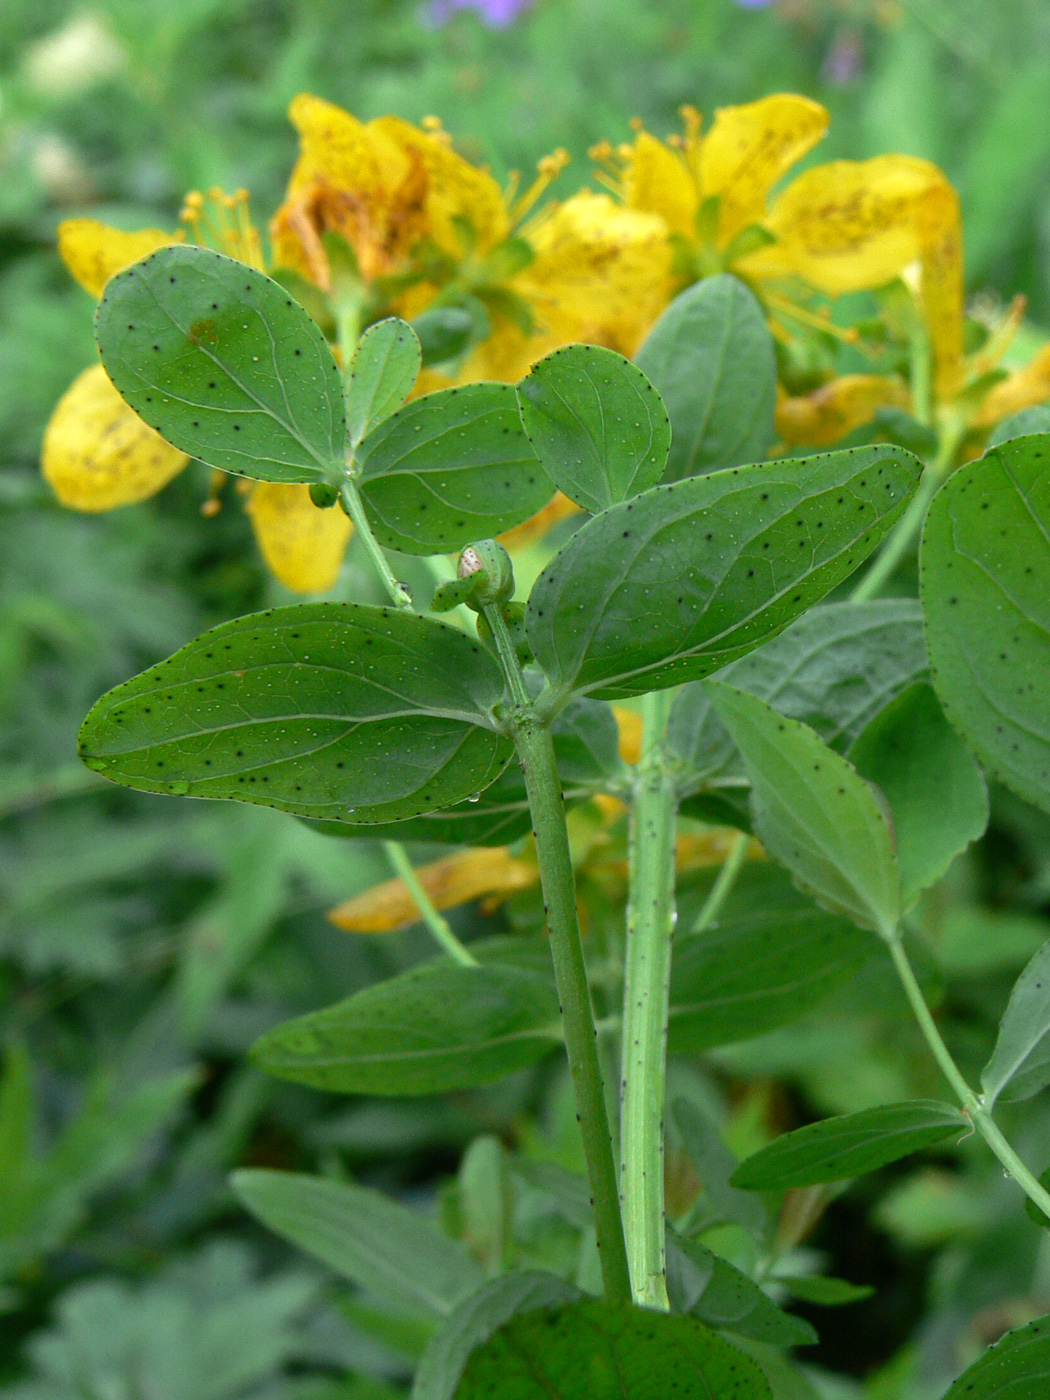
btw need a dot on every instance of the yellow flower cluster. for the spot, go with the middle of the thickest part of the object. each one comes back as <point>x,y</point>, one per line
<point>386,217</point>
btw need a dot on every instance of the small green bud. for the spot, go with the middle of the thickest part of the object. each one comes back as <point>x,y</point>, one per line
<point>489,558</point>
<point>323,494</point>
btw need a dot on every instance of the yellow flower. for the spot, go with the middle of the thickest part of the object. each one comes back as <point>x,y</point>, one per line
<point>711,189</point>
<point>600,273</point>
<point>852,225</point>
<point>383,186</point>
<point>98,454</point>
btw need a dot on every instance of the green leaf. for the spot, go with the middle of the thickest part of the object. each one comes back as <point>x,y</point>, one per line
<point>936,791</point>
<point>834,669</point>
<point>1016,1368</point>
<point>395,1253</point>
<point>1021,1059</point>
<point>585,744</point>
<point>1023,424</point>
<point>715,1164</point>
<point>437,1027</point>
<point>225,365</point>
<point>815,813</point>
<point>474,1321</point>
<point>985,577</point>
<point>704,1284</point>
<point>592,1350</point>
<point>825,1292</point>
<point>596,424</point>
<point>385,366</point>
<point>710,357</point>
<point>17,1113</point>
<point>324,709</point>
<point>687,578</point>
<point>756,972</point>
<point>854,1143</point>
<point>449,468</point>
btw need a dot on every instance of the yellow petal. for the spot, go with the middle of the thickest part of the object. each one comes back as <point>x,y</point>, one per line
<point>850,225</point>
<point>455,188</point>
<point>656,180</point>
<point>749,148</point>
<point>455,879</point>
<point>350,179</point>
<point>94,252</point>
<point>835,409</point>
<point>1025,388</point>
<point>629,724</point>
<point>302,545</point>
<point>98,454</point>
<point>334,146</point>
<point>601,274</point>
<point>538,526</point>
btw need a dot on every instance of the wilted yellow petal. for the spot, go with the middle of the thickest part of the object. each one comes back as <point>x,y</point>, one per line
<point>94,252</point>
<point>749,148</point>
<point>629,724</point>
<point>350,179</point>
<point>835,409</point>
<point>601,274</point>
<point>656,180</point>
<point>1025,388</point>
<point>455,879</point>
<point>98,454</point>
<point>455,188</point>
<point>302,545</point>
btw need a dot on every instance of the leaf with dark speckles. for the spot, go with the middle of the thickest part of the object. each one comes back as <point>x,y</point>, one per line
<point>596,423</point>
<point>328,710</point>
<point>225,365</point>
<point>985,576</point>
<point>684,579</point>
<point>591,1350</point>
<point>450,467</point>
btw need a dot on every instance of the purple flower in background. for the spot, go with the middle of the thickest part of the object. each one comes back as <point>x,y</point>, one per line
<point>753,4</point>
<point>497,14</point>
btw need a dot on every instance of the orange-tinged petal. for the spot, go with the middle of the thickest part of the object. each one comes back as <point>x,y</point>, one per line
<point>302,545</point>
<point>1025,388</point>
<point>455,188</point>
<point>656,180</point>
<point>94,252</point>
<point>629,724</point>
<point>99,454</point>
<point>835,409</point>
<point>538,526</point>
<point>455,879</point>
<point>601,273</point>
<point>749,148</point>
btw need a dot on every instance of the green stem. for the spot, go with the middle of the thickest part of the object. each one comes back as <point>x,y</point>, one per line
<point>399,592</point>
<point>910,523</point>
<point>435,921</point>
<point>723,886</point>
<point>532,739</point>
<point>650,924</point>
<point>973,1105</point>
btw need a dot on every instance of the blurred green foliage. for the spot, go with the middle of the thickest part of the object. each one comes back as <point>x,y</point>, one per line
<point>144,945</point>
